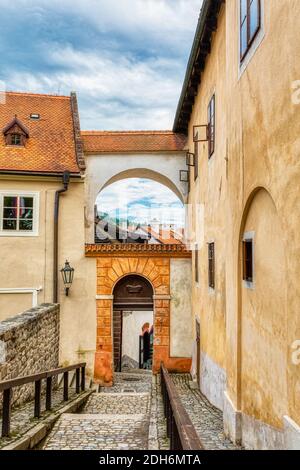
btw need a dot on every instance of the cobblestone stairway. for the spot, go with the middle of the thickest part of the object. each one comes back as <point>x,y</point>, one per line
<point>114,419</point>
<point>129,416</point>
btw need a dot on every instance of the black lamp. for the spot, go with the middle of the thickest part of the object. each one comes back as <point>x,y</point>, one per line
<point>67,274</point>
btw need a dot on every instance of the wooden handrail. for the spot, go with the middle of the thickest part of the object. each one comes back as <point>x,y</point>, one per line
<point>180,428</point>
<point>6,387</point>
<point>5,384</point>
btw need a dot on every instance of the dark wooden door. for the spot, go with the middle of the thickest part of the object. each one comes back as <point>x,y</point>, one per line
<point>117,332</point>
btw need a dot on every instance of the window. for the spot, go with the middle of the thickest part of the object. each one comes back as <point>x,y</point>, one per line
<point>250,22</point>
<point>19,214</point>
<point>196,160</point>
<point>248,260</point>
<point>211,126</point>
<point>211,265</point>
<point>15,139</point>
<point>196,264</point>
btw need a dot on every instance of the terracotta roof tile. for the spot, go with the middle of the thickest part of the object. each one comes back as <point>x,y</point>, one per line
<point>132,141</point>
<point>50,147</point>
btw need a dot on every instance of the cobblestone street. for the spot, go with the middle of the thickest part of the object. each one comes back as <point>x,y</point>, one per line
<point>129,416</point>
<point>117,418</point>
<point>207,419</point>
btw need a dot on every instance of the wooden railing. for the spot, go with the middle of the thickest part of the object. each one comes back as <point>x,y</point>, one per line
<point>180,429</point>
<point>7,386</point>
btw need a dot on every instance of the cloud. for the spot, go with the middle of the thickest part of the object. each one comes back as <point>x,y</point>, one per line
<point>126,59</point>
<point>125,196</point>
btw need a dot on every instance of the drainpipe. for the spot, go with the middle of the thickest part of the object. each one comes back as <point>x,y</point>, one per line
<point>66,180</point>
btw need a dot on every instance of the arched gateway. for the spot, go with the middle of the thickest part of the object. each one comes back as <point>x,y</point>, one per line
<point>132,310</point>
<point>167,269</point>
<point>160,156</point>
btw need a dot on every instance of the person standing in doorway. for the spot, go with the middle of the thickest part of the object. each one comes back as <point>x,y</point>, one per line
<point>146,345</point>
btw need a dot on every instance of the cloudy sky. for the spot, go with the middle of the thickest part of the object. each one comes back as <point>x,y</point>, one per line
<point>125,58</point>
<point>125,196</point>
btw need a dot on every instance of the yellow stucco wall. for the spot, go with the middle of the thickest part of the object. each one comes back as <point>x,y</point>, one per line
<point>33,267</point>
<point>250,333</point>
<point>208,196</point>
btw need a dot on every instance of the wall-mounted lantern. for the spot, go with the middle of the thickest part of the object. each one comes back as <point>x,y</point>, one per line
<point>67,274</point>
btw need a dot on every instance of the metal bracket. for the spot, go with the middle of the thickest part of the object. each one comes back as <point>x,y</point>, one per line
<point>201,133</point>
<point>190,159</point>
<point>184,176</point>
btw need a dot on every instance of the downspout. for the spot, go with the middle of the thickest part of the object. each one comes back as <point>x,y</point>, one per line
<point>66,180</point>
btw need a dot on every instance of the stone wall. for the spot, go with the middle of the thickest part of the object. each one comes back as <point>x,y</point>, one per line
<point>29,344</point>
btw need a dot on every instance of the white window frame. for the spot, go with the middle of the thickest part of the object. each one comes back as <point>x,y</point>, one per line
<point>36,206</point>
<point>256,43</point>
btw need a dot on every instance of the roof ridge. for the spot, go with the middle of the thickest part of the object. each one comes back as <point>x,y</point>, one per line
<point>25,93</point>
<point>102,132</point>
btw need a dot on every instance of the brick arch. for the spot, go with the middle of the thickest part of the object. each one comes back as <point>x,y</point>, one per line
<point>109,271</point>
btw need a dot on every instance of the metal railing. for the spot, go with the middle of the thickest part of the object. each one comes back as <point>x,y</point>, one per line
<point>7,386</point>
<point>180,429</point>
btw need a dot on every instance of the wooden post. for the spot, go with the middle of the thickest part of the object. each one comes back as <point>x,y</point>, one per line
<point>49,393</point>
<point>83,378</point>
<point>6,414</point>
<point>37,399</point>
<point>66,386</point>
<point>77,380</point>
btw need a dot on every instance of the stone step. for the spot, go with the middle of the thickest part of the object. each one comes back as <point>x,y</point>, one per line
<point>99,432</point>
<point>122,403</point>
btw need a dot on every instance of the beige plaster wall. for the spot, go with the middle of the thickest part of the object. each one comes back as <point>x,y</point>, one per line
<point>10,304</point>
<point>208,197</point>
<point>250,334</point>
<point>181,308</point>
<point>263,149</point>
<point>33,266</point>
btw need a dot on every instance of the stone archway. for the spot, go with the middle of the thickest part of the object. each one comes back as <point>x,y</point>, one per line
<point>109,271</point>
<point>132,305</point>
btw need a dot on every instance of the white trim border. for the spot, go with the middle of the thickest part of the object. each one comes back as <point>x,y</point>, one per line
<point>23,290</point>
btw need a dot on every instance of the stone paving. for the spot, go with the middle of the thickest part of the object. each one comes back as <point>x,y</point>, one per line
<point>117,418</point>
<point>127,416</point>
<point>207,419</point>
<point>22,419</point>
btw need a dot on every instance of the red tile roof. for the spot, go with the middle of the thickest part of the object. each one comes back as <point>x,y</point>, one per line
<point>51,146</point>
<point>132,141</point>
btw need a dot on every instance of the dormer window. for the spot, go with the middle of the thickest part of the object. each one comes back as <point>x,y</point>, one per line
<point>15,139</point>
<point>15,133</point>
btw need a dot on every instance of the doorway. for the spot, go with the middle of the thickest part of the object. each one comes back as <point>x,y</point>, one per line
<point>198,355</point>
<point>133,324</point>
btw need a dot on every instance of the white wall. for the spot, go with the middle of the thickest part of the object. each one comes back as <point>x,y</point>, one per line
<point>181,308</point>
<point>132,328</point>
<point>162,167</point>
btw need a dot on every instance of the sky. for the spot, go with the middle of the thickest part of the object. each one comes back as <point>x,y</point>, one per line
<point>126,59</point>
<point>125,195</point>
